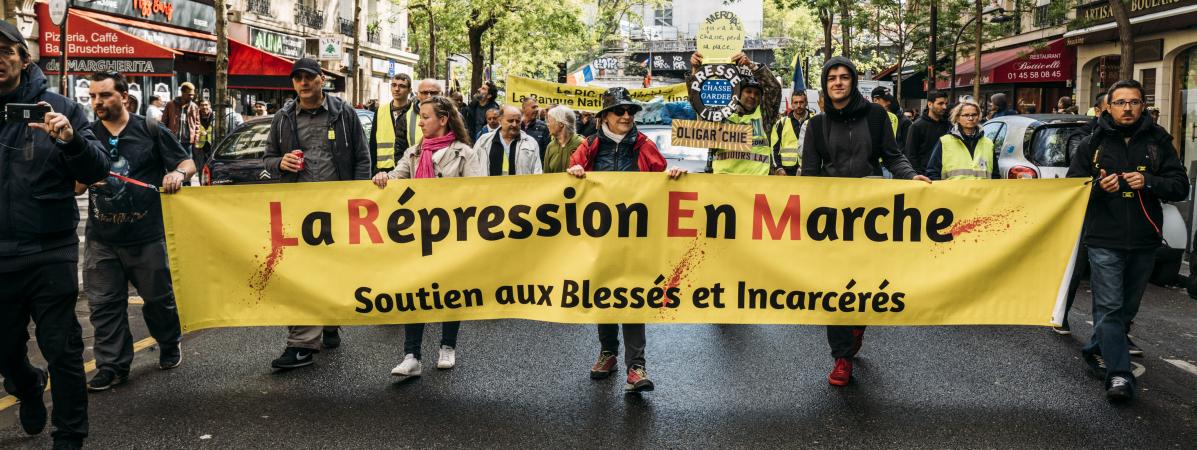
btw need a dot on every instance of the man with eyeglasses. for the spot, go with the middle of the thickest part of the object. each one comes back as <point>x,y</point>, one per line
<point>396,125</point>
<point>1134,166</point>
<point>39,250</point>
<point>315,137</point>
<point>125,239</point>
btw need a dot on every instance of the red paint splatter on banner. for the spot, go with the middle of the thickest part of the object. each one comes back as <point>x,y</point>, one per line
<point>261,278</point>
<point>984,224</point>
<point>691,259</point>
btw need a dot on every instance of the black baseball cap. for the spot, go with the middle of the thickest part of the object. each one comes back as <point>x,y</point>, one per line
<point>12,34</point>
<point>880,92</point>
<point>308,65</point>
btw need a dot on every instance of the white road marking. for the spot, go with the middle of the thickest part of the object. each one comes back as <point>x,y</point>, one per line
<point>1138,370</point>
<point>1183,365</point>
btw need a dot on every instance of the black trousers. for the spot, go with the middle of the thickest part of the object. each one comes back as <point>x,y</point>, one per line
<point>840,339</point>
<point>47,294</point>
<point>634,341</point>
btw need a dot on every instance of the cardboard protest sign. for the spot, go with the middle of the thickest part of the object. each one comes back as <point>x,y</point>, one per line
<point>720,36</point>
<point>703,134</point>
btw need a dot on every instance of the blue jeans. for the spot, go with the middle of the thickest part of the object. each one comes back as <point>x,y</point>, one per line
<point>1118,278</point>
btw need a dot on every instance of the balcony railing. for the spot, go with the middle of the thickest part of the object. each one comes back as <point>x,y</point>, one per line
<point>397,42</point>
<point>345,26</point>
<point>260,7</point>
<point>374,36</point>
<point>309,16</point>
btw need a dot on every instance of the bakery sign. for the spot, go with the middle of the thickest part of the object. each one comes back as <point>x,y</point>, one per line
<point>1052,63</point>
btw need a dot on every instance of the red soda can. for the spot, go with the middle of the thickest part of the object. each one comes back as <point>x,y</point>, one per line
<point>299,153</point>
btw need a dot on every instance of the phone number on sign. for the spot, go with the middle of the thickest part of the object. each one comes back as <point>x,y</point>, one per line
<point>1035,75</point>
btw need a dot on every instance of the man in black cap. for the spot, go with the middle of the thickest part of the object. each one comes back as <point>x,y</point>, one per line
<point>850,139</point>
<point>759,103</point>
<point>606,152</point>
<point>39,250</point>
<point>315,137</point>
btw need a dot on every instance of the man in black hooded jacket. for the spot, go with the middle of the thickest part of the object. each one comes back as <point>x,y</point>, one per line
<point>849,139</point>
<point>1133,166</point>
<point>39,250</point>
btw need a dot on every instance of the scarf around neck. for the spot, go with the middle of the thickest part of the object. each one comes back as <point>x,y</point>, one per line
<point>428,148</point>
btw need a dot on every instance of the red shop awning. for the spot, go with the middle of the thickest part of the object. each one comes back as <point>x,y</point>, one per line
<point>1054,62</point>
<point>251,68</point>
<point>94,47</point>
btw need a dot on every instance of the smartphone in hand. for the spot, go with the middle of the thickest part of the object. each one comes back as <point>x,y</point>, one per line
<point>25,112</point>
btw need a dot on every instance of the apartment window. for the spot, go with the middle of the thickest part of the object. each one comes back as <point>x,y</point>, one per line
<point>1043,17</point>
<point>663,16</point>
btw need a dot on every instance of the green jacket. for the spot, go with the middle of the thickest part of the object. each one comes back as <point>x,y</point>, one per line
<point>556,157</point>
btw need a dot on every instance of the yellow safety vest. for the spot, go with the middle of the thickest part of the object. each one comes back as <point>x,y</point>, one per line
<point>385,137</point>
<point>205,135</point>
<point>758,161</point>
<point>893,121</point>
<point>957,164</point>
<point>790,148</point>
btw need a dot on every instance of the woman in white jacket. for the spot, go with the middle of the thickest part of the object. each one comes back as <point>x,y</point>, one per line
<point>444,152</point>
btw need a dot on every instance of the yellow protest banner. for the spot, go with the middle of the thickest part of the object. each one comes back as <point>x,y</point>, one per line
<point>703,134</point>
<point>581,98</point>
<point>624,248</point>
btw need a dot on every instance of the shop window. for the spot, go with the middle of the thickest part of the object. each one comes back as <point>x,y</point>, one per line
<point>1186,64</point>
<point>1147,77</point>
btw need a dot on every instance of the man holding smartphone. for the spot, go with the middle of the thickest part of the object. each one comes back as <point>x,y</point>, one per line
<point>39,250</point>
<point>125,239</point>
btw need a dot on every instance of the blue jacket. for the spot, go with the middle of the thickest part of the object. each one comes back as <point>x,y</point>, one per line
<point>38,212</point>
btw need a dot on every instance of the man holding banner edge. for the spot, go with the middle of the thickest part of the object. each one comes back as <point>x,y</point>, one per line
<point>832,151</point>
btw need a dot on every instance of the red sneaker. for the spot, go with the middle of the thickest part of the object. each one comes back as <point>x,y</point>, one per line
<point>603,367</point>
<point>857,341</point>
<point>638,380</point>
<point>842,373</point>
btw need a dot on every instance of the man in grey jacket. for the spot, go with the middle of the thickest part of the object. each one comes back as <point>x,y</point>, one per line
<point>510,151</point>
<point>314,138</point>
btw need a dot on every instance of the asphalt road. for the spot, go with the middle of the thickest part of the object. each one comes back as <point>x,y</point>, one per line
<point>525,384</point>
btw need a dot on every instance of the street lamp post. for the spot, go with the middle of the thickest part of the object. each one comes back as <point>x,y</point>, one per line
<point>1001,17</point>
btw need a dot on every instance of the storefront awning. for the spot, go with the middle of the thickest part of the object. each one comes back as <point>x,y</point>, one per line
<point>95,47</point>
<point>1054,62</point>
<point>251,68</point>
<point>176,38</point>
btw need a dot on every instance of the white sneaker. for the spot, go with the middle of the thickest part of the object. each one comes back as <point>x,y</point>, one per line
<point>447,358</point>
<point>410,367</point>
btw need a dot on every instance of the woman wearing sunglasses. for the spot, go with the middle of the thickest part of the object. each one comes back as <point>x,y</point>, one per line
<point>964,153</point>
<point>619,147</point>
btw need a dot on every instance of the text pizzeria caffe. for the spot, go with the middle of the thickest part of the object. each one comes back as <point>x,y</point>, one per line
<point>158,44</point>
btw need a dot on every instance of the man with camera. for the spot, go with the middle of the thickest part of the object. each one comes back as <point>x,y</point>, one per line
<point>41,158</point>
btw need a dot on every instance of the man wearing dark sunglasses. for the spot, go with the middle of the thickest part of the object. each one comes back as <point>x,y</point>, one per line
<point>125,239</point>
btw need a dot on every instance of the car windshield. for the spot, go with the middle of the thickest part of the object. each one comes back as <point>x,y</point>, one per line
<point>247,143</point>
<point>1052,145</point>
<point>367,119</point>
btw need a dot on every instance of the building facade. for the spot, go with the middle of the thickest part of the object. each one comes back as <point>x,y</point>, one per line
<point>1165,61</point>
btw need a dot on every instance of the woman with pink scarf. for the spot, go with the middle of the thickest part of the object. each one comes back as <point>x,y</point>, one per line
<point>444,152</point>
